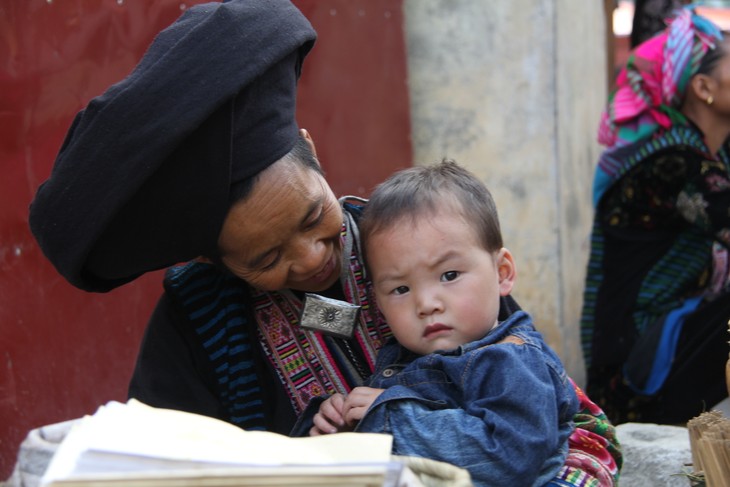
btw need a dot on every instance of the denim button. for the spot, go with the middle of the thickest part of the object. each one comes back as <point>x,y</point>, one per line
<point>388,372</point>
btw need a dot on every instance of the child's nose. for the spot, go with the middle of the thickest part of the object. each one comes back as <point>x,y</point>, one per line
<point>428,303</point>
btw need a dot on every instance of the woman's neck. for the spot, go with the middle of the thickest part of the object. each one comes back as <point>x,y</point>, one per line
<point>715,128</point>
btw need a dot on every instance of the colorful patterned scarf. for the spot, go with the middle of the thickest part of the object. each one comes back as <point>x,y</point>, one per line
<point>594,452</point>
<point>650,88</point>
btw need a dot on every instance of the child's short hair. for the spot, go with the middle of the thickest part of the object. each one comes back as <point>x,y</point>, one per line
<point>423,190</point>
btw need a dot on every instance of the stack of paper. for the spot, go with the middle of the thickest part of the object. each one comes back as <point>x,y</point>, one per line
<point>137,445</point>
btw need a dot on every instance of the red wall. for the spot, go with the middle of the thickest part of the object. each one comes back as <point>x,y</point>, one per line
<point>64,352</point>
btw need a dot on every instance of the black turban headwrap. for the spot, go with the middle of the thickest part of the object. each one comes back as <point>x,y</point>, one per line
<point>142,179</point>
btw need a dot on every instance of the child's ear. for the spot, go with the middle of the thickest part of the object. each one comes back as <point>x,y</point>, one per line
<point>506,271</point>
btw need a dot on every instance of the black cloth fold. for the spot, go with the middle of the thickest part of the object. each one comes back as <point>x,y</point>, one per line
<point>142,179</point>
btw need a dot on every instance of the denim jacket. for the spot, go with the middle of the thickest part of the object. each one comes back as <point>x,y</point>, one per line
<point>502,410</point>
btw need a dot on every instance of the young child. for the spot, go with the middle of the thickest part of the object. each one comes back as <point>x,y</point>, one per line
<point>458,385</point>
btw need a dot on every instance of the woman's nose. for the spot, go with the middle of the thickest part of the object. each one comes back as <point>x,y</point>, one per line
<point>308,255</point>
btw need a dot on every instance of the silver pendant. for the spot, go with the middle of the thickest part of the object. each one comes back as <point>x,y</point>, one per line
<point>330,316</point>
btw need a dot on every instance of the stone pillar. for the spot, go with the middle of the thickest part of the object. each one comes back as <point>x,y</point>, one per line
<point>513,89</point>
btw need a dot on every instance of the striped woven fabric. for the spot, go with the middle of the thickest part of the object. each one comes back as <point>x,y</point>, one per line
<point>215,304</point>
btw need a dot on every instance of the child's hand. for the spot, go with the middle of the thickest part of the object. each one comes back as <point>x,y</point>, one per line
<point>357,404</point>
<point>329,419</point>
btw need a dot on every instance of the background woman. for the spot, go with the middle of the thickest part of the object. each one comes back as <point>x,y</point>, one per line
<point>656,304</point>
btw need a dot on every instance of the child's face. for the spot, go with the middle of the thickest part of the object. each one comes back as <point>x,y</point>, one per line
<point>434,282</point>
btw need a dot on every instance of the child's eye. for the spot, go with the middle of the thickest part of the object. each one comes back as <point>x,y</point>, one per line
<point>400,290</point>
<point>449,276</point>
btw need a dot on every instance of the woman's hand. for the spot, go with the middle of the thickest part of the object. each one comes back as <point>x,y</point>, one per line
<point>357,404</point>
<point>329,419</point>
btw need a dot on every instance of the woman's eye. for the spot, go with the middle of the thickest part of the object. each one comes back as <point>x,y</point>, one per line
<point>400,290</point>
<point>267,266</point>
<point>449,275</point>
<point>317,219</point>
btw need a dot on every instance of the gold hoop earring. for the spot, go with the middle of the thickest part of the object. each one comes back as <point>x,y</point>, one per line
<point>710,100</point>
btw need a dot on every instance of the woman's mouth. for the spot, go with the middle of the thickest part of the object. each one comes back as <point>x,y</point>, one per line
<point>326,271</point>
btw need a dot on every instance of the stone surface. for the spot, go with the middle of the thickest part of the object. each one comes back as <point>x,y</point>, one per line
<point>654,455</point>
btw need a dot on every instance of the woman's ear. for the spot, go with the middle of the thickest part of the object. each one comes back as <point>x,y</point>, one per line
<point>506,270</point>
<point>305,134</point>
<point>703,87</point>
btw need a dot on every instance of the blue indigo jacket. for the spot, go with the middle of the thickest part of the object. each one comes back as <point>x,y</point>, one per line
<point>501,409</point>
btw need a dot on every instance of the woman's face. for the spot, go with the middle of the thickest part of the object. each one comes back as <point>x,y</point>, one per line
<point>286,233</point>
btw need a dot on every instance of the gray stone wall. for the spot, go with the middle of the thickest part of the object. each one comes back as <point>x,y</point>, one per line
<point>512,89</point>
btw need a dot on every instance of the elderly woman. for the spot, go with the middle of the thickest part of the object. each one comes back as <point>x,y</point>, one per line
<point>196,157</point>
<point>656,306</point>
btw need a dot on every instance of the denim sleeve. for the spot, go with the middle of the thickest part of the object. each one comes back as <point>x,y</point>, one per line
<point>506,430</point>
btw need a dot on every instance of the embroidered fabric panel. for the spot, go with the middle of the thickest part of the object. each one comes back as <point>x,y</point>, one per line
<point>377,332</point>
<point>297,354</point>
